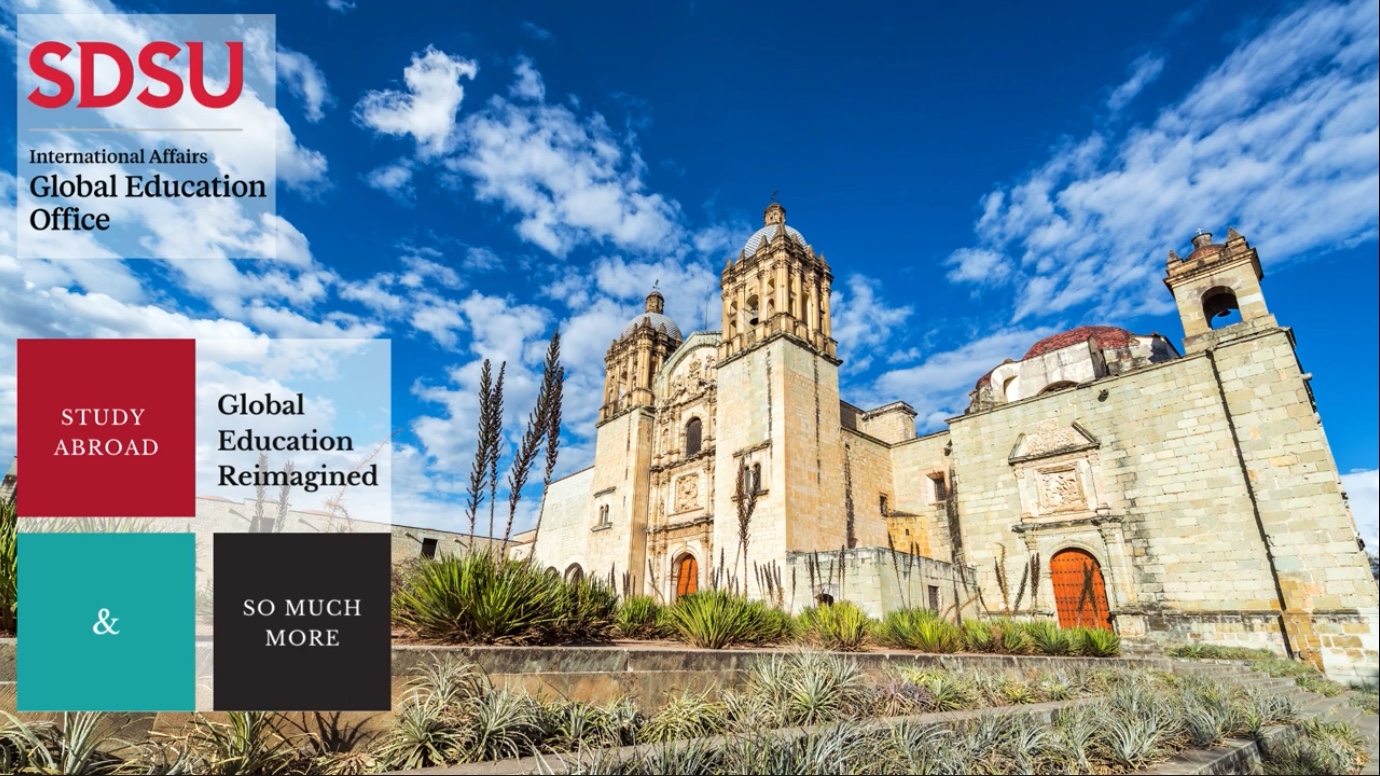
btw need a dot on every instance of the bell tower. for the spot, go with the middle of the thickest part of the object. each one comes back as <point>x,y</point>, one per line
<point>633,360</point>
<point>1217,290</point>
<point>778,416</point>
<point>776,285</point>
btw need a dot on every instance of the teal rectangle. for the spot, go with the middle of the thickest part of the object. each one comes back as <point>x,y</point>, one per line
<point>139,656</point>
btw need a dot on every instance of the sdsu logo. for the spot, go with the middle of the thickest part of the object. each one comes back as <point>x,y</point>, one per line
<point>172,83</point>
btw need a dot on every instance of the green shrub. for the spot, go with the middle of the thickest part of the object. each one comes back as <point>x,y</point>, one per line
<point>1096,642</point>
<point>1322,748</point>
<point>840,626</point>
<point>686,716</point>
<point>1049,639</point>
<point>640,617</point>
<point>920,629</point>
<point>805,688</point>
<point>1365,696</point>
<point>1009,637</point>
<point>1215,652</point>
<point>714,619</point>
<point>9,568</point>
<point>977,636</point>
<point>478,598</point>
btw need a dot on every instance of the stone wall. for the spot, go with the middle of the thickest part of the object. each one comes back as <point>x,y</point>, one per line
<point>1143,471</point>
<point>918,516</point>
<point>877,579</point>
<point>567,515</point>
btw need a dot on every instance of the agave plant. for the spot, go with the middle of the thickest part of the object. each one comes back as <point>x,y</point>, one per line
<point>920,629</point>
<point>248,743</point>
<point>479,597</point>
<point>715,619</point>
<point>639,617</point>
<point>424,734</point>
<point>79,745</point>
<point>841,626</point>
<point>808,687</point>
<point>9,568</point>
<point>1097,642</point>
<point>1049,639</point>
<point>687,715</point>
<point>502,725</point>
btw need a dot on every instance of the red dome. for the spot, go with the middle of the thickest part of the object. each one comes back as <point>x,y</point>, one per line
<point>1105,336</point>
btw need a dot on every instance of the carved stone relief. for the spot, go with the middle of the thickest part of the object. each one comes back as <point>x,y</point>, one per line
<point>687,493</point>
<point>1061,490</point>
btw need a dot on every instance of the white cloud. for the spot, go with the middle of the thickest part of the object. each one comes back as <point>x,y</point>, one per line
<point>427,110</point>
<point>568,178</point>
<point>979,266</point>
<point>340,6</point>
<point>938,387</point>
<point>862,320</point>
<point>1363,493</point>
<point>306,82</point>
<point>1279,140</point>
<point>480,259</point>
<point>1144,71</point>
<point>393,179</point>
<point>528,85</point>
<point>537,33</point>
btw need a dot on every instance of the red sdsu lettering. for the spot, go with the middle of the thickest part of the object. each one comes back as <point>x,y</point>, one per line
<point>90,50</point>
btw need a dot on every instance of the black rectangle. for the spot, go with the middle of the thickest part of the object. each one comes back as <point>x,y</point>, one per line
<point>302,622</point>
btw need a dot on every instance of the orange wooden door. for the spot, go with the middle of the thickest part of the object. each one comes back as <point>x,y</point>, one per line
<point>1079,592</point>
<point>687,575</point>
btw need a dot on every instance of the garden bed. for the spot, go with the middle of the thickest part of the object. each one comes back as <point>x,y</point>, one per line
<point>839,713</point>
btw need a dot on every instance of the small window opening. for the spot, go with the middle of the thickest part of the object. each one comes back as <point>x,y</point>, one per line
<point>882,504</point>
<point>752,310</point>
<point>938,488</point>
<point>934,598</point>
<point>824,599</point>
<point>429,548</point>
<point>694,436</point>
<point>757,478</point>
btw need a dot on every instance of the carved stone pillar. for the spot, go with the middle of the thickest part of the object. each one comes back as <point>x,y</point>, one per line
<point>1118,566</point>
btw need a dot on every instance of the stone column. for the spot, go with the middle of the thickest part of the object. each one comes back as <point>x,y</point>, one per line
<point>1118,570</point>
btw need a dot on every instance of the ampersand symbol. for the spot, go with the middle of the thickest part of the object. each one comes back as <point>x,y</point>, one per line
<point>105,624</point>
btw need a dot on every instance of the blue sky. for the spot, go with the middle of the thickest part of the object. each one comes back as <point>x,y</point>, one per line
<point>463,178</point>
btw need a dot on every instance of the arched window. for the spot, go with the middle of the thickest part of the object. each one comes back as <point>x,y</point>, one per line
<point>752,310</point>
<point>694,436</point>
<point>574,573</point>
<point>603,515</point>
<point>687,575</point>
<point>1059,386</point>
<point>1220,307</point>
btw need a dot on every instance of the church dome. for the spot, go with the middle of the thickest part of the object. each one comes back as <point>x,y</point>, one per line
<point>1105,336</point>
<point>773,221</point>
<point>654,317</point>
<point>766,233</point>
<point>656,320</point>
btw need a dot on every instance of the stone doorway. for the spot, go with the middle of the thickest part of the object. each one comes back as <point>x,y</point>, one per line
<point>1080,595</point>
<point>687,575</point>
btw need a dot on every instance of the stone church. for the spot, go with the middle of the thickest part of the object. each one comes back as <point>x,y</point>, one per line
<point>1105,478</point>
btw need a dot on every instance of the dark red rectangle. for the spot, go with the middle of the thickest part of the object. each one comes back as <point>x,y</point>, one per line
<point>107,428</point>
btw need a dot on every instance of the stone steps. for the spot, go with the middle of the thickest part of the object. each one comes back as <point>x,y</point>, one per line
<point>1246,756</point>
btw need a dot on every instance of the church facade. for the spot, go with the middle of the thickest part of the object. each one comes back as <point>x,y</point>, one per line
<point>1105,478</point>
